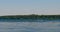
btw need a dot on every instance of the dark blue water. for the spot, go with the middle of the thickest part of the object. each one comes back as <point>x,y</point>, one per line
<point>29,25</point>
<point>28,20</point>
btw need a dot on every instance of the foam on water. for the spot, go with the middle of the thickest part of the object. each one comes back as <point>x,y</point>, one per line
<point>29,26</point>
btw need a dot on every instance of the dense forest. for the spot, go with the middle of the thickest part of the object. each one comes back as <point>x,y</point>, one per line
<point>33,16</point>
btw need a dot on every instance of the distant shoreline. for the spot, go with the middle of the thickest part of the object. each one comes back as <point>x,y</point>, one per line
<point>32,16</point>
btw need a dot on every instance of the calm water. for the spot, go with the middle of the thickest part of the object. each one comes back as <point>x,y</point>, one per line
<point>22,26</point>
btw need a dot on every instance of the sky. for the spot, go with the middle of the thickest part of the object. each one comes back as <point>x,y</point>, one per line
<point>23,7</point>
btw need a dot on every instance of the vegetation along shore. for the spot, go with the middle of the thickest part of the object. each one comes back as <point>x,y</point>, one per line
<point>33,16</point>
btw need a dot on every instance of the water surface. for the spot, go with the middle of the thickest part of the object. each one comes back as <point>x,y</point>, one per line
<point>37,26</point>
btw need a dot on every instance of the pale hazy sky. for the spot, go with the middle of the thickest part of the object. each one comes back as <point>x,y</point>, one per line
<point>12,7</point>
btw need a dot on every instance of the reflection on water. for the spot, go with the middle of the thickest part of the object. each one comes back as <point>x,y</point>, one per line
<point>49,26</point>
<point>29,25</point>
